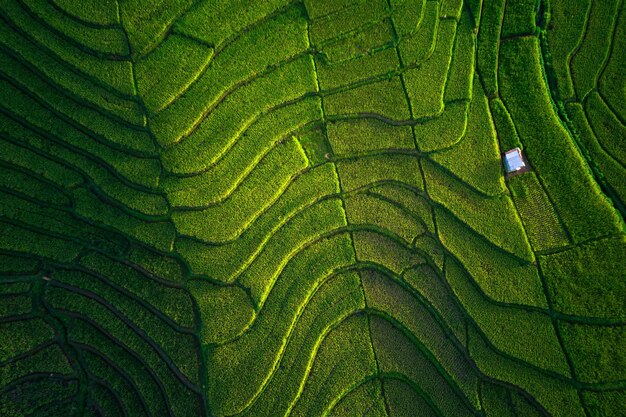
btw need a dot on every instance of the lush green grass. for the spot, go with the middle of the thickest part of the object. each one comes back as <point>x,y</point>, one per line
<point>605,403</point>
<point>584,67</point>
<point>384,294</point>
<point>367,40</point>
<point>592,351</point>
<point>226,221</point>
<point>396,353</point>
<point>501,276</point>
<point>365,398</point>
<point>488,44</point>
<point>540,220</point>
<point>553,395</point>
<point>248,154</point>
<point>577,278</point>
<point>459,81</point>
<point>266,208</point>
<point>425,84</point>
<point>565,32</point>
<point>279,315</point>
<point>217,23</point>
<point>357,173</point>
<point>223,262</point>
<point>239,64</point>
<point>378,64</point>
<point>364,209</point>
<point>165,73</point>
<point>594,47</point>
<point>115,74</point>
<point>429,284</point>
<point>608,167</point>
<point>478,146</point>
<point>383,98</point>
<point>494,218</point>
<point>344,358</point>
<point>519,18</point>
<point>511,331</point>
<point>583,208</point>
<point>419,44</point>
<point>445,131</point>
<point>354,136</point>
<point>331,26</point>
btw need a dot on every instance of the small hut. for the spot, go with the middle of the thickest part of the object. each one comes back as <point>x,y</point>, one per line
<point>513,160</point>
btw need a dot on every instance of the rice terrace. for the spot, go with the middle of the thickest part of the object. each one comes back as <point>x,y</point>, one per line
<point>264,208</point>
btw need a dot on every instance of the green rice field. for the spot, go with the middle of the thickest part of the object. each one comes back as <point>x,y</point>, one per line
<point>273,208</point>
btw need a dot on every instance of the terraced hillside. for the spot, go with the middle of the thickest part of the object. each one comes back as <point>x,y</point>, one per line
<point>278,207</point>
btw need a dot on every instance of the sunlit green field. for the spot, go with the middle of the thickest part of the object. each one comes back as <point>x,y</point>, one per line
<point>271,207</point>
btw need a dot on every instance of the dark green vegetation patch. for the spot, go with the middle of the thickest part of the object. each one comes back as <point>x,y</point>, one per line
<point>276,207</point>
